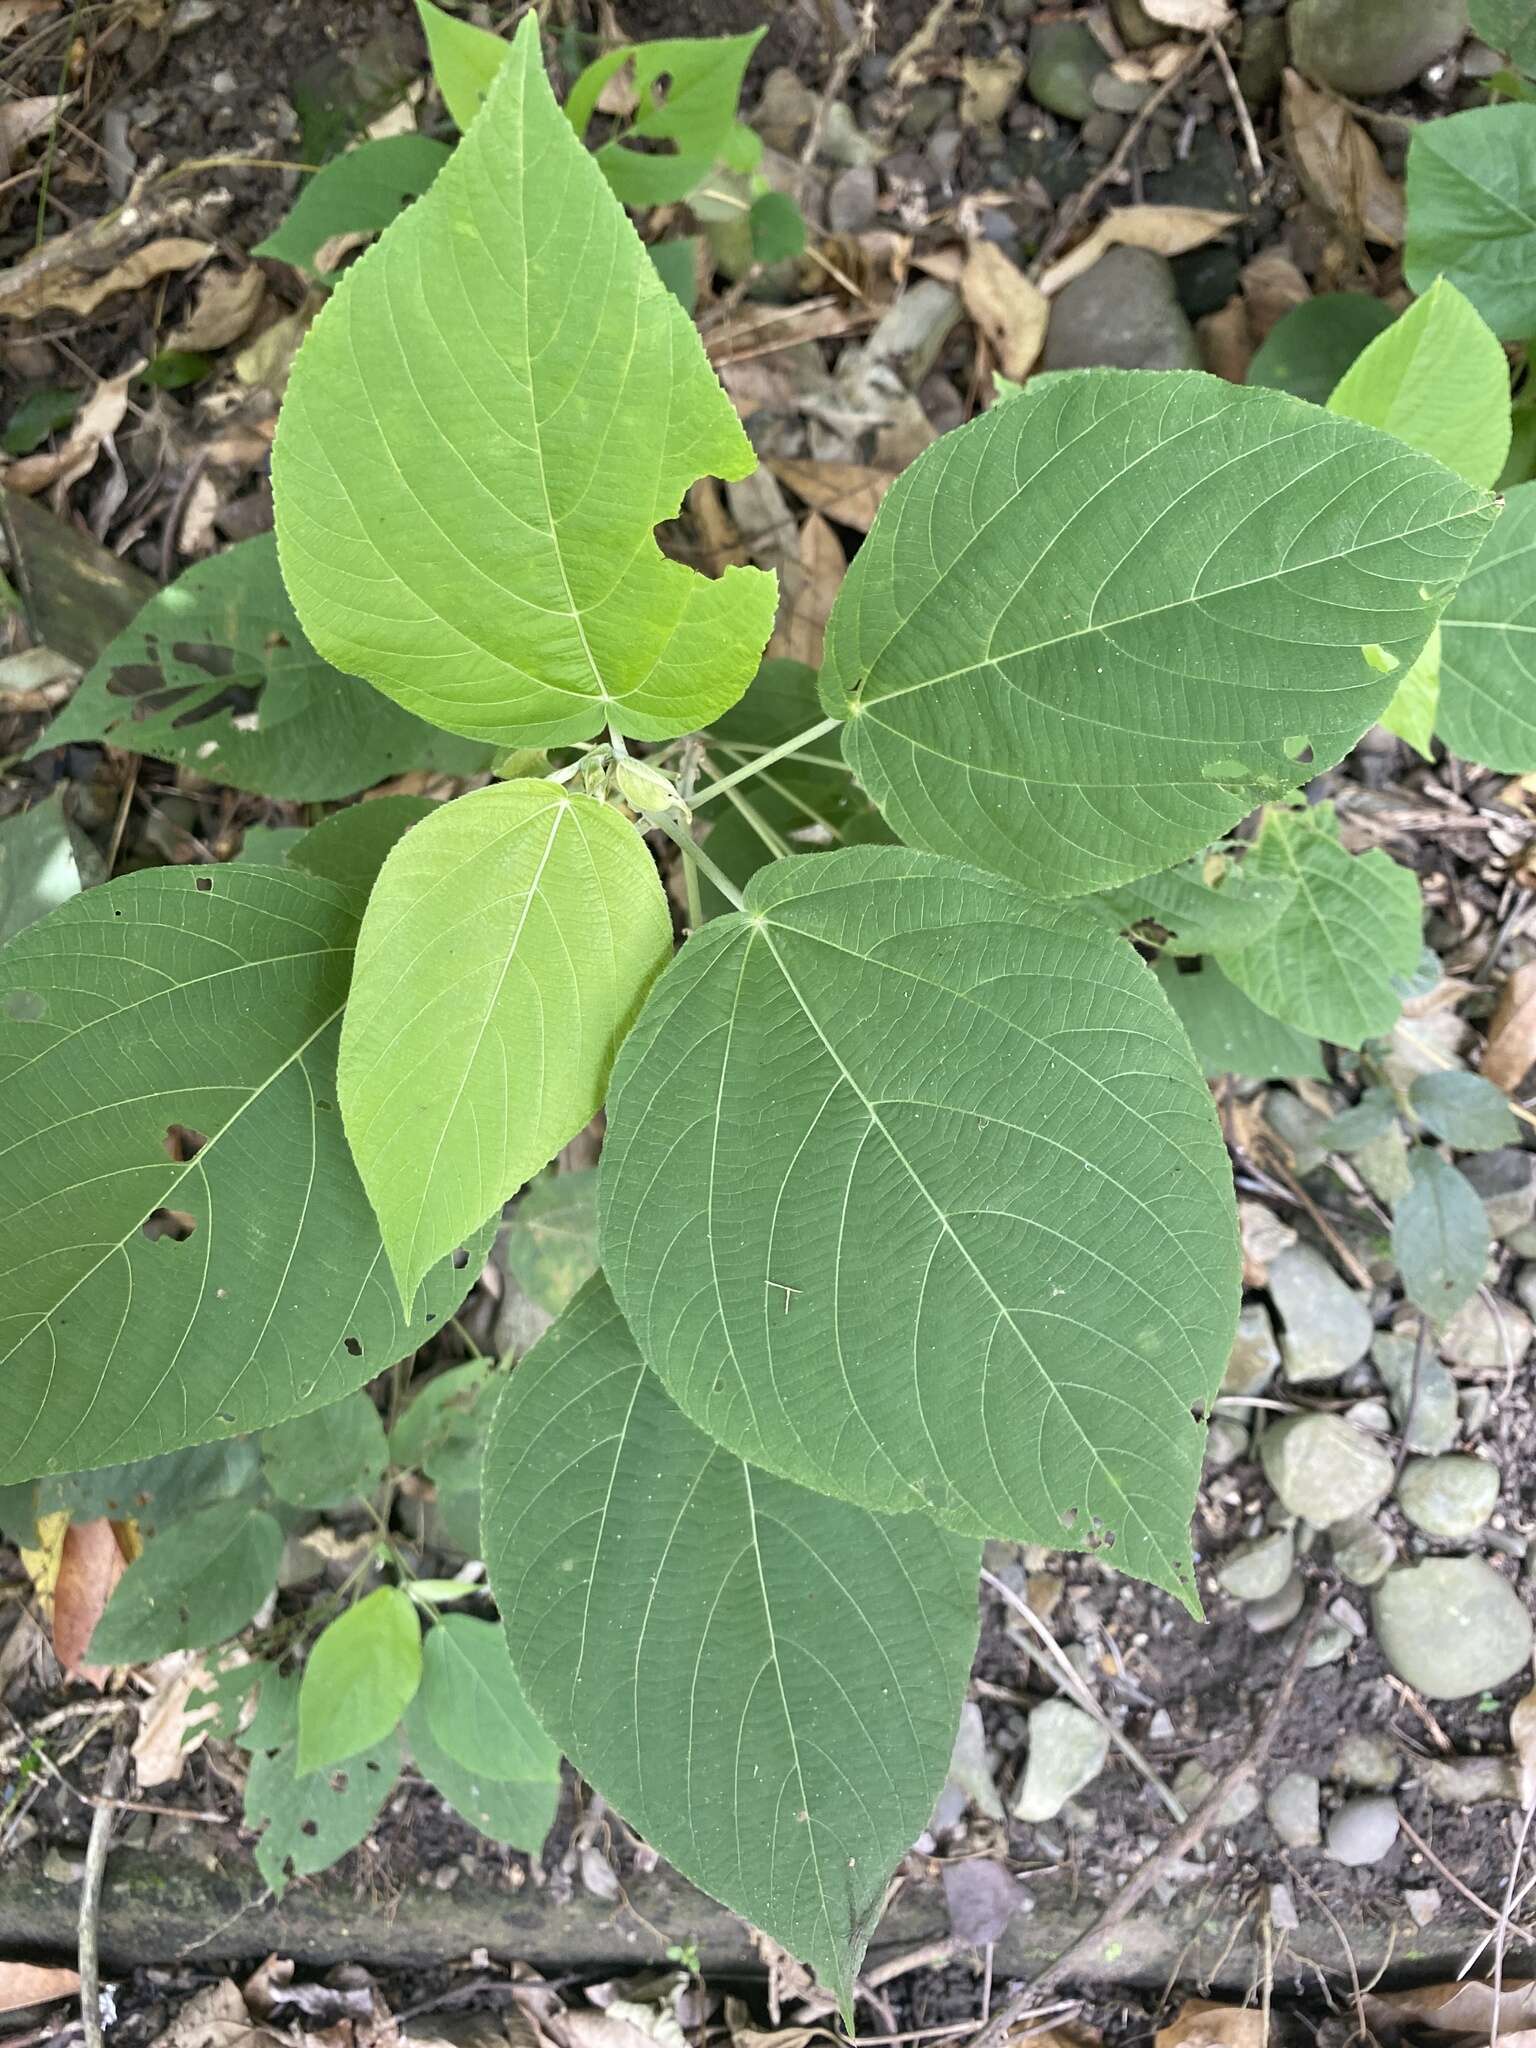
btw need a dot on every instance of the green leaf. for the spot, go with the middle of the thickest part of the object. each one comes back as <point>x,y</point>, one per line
<point>1309,348</point>
<point>215,672</point>
<point>39,414</point>
<point>465,59</point>
<point>1089,631</point>
<point>1465,1110</point>
<point>507,945</point>
<point>475,1706</point>
<point>898,1112</point>
<point>551,1242</point>
<point>349,847</point>
<point>154,1492</point>
<point>1415,707</point>
<point>1487,707</point>
<point>45,859</point>
<point>270,845</point>
<point>1231,1035</point>
<point>1472,212</point>
<point>197,1584</point>
<point>173,369</point>
<point>307,1820</point>
<point>518,1812</point>
<point>449,455</point>
<point>356,194</point>
<point>778,228</point>
<point>677,265</point>
<point>164,1006</point>
<point>1362,1124</point>
<point>445,1420</point>
<point>1233,908</point>
<point>1437,379</point>
<point>1439,1236</point>
<point>763,1681</point>
<point>322,1460</point>
<point>1328,966</point>
<point>1507,25</point>
<point>687,88</point>
<point>361,1676</point>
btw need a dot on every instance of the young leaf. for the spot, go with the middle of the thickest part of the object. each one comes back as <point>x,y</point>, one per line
<point>1090,630</point>
<point>45,859</point>
<point>551,1242</point>
<point>215,671</point>
<point>1201,916</point>
<point>1488,647</point>
<point>163,1008</point>
<point>764,1681</point>
<point>197,1584</point>
<point>1438,380</point>
<point>1328,965</point>
<point>464,61</point>
<point>1230,1034</point>
<point>1415,707</point>
<point>355,194</point>
<point>324,1459</point>
<point>361,1676</point>
<point>349,846</point>
<point>1465,1110</point>
<point>480,434</point>
<point>475,1707</point>
<point>913,1192</point>
<point>695,116</point>
<point>518,1811</point>
<point>307,1820</point>
<point>1439,1236</point>
<point>1472,212</point>
<point>507,945</point>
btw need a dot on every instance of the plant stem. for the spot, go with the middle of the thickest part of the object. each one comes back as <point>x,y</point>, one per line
<point>779,847</point>
<point>807,738</point>
<point>692,897</point>
<point>616,741</point>
<point>695,855</point>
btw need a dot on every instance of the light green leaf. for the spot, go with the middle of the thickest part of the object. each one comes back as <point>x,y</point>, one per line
<point>507,945</point>
<point>1232,908</point>
<point>196,1584</point>
<point>1439,1236</point>
<point>1412,712</point>
<point>1465,1110</point>
<point>45,859</point>
<point>444,1422</point>
<point>1328,966</point>
<point>1472,212</point>
<point>306,1822</point>
<point>687,88</point>
<point>1309,348</point>
<point>519,1812</point>
<point>913,1192</point>
<point>765,1682</point>
<point>321,1460</point>
<point>551,1242</point>
<point>448,456</point>
<point>465,59</point>
<point>356,194</point>
<point>361,1676</point>
<point>1510,26</point>
<point>182,1002</point>
<point>1438,380</point>
<point>1231,1035</point>
<point>215,672</point>
<point>349,846</point>
<point>1091,630</point>
<point>475,1706</point>
<point>1488,647</point>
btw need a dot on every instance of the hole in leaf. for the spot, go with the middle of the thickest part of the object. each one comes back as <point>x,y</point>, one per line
<point>353,1345</point>
<point>338,1781</point>
<point>182,1143</point>
<point>1069,1518</point>
<point>204,883</point>
<point>174,1224</point>
<point>460,1259</point>
<point>308,1827</point>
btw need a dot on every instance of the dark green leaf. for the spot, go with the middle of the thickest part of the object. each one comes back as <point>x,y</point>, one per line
<point>155,1492</point>
<point>1369,1119</point>
<point>1465,1110</point>
<point>1487,709</point>
<point>445,1420</point>
<point>687,88</point>
<point>519,1813</point>
<point>39,414</point>
<point>197,1583</point>
<point>45,859</point>
<point>350,846</point>
<point>677,265</point>
<point>1308,350</point>
<point>175,368</point>
<point>1439,1237</point>
<point>1231,1035</point>
<point>325,1458</point>
<point>1202,913</point>
<point>1472,212</point>
<point>475,1706</point>
<point>356,194</point>
<point>778,228</point>
<point>1507,25</point>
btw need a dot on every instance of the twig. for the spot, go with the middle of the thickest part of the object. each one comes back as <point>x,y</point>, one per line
<point>90,1895</point>
<point>1178,1845</point>
<point>858,45</point>
<point>1444,1869</point>
<point>932,1955</point>
<point>1240,109</point>
<point>120,822</point>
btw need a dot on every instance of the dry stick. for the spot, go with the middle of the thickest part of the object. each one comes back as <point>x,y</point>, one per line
<point>1505,1911</point>
<point>1240,109</point>
<point>90,1894</point>
<point>858,45</point>
<point>932,1955</point>
<point>1178,1845</point>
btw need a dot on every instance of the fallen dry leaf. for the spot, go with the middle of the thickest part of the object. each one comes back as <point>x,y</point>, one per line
<point>1463,2008</point>
<point>15,14</point>
<point>90,1565</point>
<point>1169,230</point>
<point>1338,165</point>
<point>21,119</point>
<point>34,286</point>
<point>1011,313</point>
<point>1204,17</point>
<point>989,86</point>
<point>1512,1035</point>
<point>1203,2025</point>
<point>215,2017</point>
<point>1226,347</point>
<point>168,1732</point>
<point>809,589</point>
<point>266,361</point>
<point>227,302</point>
<point>96,422</point>
<point>1272,286</point>
<point>849,492</point>
<point>1522,1735</point>
<point>31,1984</point>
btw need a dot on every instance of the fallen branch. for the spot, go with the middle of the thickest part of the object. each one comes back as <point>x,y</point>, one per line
<point>89,1963</point>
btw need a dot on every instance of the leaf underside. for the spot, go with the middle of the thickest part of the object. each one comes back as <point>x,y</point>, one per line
<point>764,1681</point>
<point>482,430</point>
<point>1090,631</point>
<point>913,1192</point>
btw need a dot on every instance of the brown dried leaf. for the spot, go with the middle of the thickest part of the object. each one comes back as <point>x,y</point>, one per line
<point>1338,164</point>
<point>1169,230</point>
<point>21,119</point>
<point>215,2017</point>
<point>227,302</point>
<point>1203,17</point>
<point>1226,348</point>
<point>809,590</point>
<point>1511,1049</point>
<point>266,361</point>
<point>1463,2008</point>
<point>1010,311</point>
<point>31,1984</point>
<point>90,1566</point>
<point>1272,286</point>
<point>1203,2025</point>
<point>96,422</point>
<point>849,492</point>
<point>36,285</point>
<point>168,1731</point>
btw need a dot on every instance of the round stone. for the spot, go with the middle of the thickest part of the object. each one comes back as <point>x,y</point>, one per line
<point>1363,1830</point>
<point>1451,1497</point>
<point>1258,1569</point>
<point>1323,1470</point>
<point>1451,1626</point>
